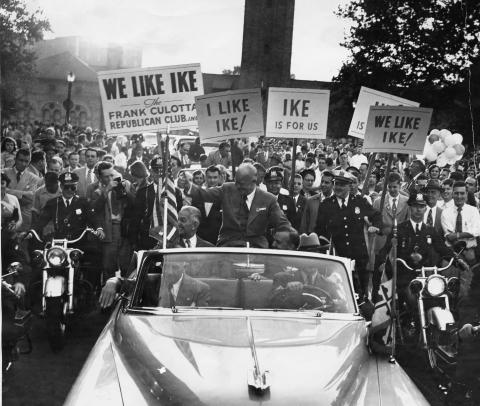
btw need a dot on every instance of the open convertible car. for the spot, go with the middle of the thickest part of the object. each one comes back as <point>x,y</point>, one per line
<point>231,326</point>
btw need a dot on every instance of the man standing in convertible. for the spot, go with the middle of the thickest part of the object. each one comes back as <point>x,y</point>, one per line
<point>248,212</point>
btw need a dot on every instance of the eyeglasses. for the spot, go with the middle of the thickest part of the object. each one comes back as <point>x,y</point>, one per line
<point>70,187</point>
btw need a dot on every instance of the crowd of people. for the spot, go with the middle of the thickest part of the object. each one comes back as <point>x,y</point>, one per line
<point>58,180</point>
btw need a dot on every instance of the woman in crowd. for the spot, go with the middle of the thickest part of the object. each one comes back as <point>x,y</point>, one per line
<point>11,213</point>
<point>9,147</point>
<point>434,172</point>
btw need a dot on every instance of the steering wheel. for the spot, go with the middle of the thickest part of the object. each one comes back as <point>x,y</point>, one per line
<point>316,298</point>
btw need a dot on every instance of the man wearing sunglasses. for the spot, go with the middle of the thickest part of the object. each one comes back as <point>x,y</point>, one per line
<point>69,213</point>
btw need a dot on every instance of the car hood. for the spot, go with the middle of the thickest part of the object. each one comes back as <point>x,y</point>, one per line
<point>197,359</point>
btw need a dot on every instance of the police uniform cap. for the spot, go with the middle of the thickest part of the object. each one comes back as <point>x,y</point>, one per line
<point>417,199</point>
<point>156,163</point>
<point>274,173</point>
<point>342,176</point>
<point>68,178</point>
<point>259,166</point>
<point>354,170</point>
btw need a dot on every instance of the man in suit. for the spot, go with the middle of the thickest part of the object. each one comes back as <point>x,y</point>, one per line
<point>182,154</point>
<point>273,180</point>
<point>23,185</point>
<point>248,212</point>
<point>433,214</point>
<point>300,201</point>
<point>341,218</point>
<point>86,174</point>
<point>188,221</point>
<point>112,202</point>
<point>69,213</point>
<point>146,223</point>
<point>179,289</point>
<point>309,217</point>
<point>211,213</point>
<point>395,207</point>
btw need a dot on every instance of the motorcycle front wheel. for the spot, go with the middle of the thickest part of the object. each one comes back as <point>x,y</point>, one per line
<point>55,318</point>
<point>441,349</point>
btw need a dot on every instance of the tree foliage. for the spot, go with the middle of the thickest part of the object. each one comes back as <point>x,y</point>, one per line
<point>235,71</point>
<point>405,42</point>
<point>19,28</point>
<point>422,50</point>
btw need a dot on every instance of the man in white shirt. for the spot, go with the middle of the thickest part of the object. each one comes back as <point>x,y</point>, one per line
<point>462,222</point>
<point>358,159</point>
<point>447,195</point>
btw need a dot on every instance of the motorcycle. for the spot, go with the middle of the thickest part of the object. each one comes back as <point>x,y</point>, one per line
<point>437,329</point>
<point>65,291</point>
<point>16,322</point>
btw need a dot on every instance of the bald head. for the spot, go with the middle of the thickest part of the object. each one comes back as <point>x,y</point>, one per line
<point>246,178</point>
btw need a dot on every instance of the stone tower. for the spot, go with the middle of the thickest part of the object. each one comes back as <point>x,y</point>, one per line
<point>267,43</point>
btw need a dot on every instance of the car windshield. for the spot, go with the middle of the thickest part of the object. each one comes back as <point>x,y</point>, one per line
<point>245,281</point>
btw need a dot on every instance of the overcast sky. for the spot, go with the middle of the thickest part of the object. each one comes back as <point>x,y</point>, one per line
<point>205,31</point>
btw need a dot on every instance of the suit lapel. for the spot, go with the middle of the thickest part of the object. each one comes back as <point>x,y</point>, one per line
<point>255,207</point>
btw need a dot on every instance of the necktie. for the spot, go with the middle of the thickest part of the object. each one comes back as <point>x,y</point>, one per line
<point>67,203</point>
<point>114,204</point>
<point>89,176</point>
<point>430,218</point>
<point>245,205</point>
<point>19,175</point>
<point>187,243</point>
<point>394,206</point>
<point>458,223</point>
<point>343,204</point>
<point>417,228</point>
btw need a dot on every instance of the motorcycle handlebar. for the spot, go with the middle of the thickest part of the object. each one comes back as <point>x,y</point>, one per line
<point>32,233</point>
<point>438,269</point>
<point>87,230</point>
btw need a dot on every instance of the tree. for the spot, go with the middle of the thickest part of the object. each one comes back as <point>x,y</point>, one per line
<point>235,71</point>
<point>19,29</point>
<point>424,50</point>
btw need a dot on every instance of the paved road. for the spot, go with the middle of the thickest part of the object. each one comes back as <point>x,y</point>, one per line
<point>43,378</point>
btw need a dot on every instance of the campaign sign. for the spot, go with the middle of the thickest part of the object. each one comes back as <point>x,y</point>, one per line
<point>231,114</point>
<point>369,97</point>
<point>297,113</point>
<point>150,99</point>
<point>397,129</point>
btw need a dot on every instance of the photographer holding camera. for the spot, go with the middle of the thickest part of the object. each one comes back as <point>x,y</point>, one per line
<point>111,200</point>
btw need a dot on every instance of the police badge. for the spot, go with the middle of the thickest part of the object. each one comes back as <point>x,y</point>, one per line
<point>357,210</point>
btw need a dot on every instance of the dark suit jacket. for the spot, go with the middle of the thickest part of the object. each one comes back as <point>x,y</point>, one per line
<point>407,240</point>
<point>192,292</point>
<point>299,209</point>
<point>209,225</point>
<point>142,216</point>
<point>437,223</point>
<point>310,213</point>
<point>345,227</point>
<point>68,222</point>
<point>200,243</point>
<point>264,214</point>
<point>287,204</point>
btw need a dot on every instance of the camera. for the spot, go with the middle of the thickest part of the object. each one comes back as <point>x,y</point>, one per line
<point>120,188</point>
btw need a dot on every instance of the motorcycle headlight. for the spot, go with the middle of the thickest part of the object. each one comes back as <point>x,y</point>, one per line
<point>75,255</point>
<point>37,256</point>
<point>436,285</point>
<point>56,256</point>
<point>416,286</point>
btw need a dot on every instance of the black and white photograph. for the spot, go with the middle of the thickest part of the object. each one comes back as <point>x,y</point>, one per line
<point>240,202</point>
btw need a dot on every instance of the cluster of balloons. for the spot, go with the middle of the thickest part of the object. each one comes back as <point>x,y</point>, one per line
<point>444,147</point>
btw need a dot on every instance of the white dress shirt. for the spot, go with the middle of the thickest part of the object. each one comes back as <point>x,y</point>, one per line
<point>340,201</point>
<point>470,223</point>
<point>250,199</point>
<point>176,287</point>
<point>192,241</point>
<point>434,214</point>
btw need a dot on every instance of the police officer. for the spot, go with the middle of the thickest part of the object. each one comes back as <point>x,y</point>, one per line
<point>341,218</point>
<point>274,181</point>
<point>418,244</point>
<point>69,213</point>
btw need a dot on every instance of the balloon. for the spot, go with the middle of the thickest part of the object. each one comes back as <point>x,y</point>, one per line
<point>444,133</point>
<point>458,138</point>
<point>435,132</point>
<point>451,161</point>
<point>431,155</point>
<point>450,140</point>
<point>432,138</point>
<point>441,160</point>
<point>450,153</point>
<point>459,149</point>
<point>438,146</point>
<point>458,157</point>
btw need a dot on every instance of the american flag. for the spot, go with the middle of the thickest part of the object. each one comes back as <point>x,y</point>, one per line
<point>168,192</point>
